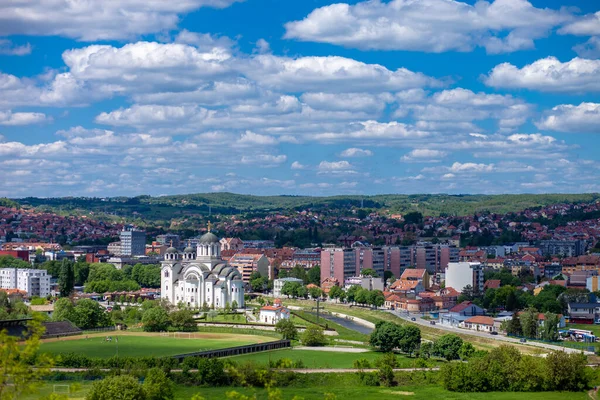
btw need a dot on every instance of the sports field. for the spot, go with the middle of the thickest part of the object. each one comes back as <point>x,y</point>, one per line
<point>134,344</point>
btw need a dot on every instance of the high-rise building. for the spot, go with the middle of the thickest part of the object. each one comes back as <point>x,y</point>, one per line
<point>36,282</point>
<point>133,242</point>
<point>462,274</point>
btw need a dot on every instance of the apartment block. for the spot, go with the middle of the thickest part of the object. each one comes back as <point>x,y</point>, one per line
<point>36,282</point>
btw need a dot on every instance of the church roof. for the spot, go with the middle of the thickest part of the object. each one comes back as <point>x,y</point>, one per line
<point>209,237</point>
<point>188,249</point>
<point>171,250</point>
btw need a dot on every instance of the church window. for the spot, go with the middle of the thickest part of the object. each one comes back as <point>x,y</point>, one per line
<point>167,287</point>
<point>166,274</point>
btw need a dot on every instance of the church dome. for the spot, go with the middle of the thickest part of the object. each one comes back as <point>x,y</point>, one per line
<point>189,249</point>
<point>209,238</point>
<point>171,250</point>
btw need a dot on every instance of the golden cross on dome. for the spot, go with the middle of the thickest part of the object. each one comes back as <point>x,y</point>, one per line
<point>171,242</point>
<point>209,226</point>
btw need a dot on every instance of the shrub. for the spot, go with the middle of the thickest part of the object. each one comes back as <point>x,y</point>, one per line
<point>313,336</point>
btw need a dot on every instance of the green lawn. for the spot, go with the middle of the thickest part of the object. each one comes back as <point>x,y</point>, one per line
<point>322,359</point>
<point>426,392</point>
<point>138,346</point>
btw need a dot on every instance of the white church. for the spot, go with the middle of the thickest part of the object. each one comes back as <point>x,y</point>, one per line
<point>200,276</point>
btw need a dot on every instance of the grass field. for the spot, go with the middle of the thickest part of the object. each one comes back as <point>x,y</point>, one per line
<point>140,344</point>
<point>322,359</point>
<point>426,392</point>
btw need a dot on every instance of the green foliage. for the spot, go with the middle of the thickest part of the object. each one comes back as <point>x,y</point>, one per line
<point>124,387</point>
<point>183,320</point>
<point>287,329</point>
<point>12,308</point>
<point>549,331</point>
<point>369,272</point>
<point>66,278</point>
<point>448,346</point>
<point>258,283</point>
<point>361,363</point>
<point>388,336</point>
<point>313,336</point>
<point>315,292</point>
<point>12,262</point>
<point>529,323</point>
<point>505,369</point>
<point>18,376</point>
<point>85,314</point>
<point>314,275</point>
<point>155,319</point>
<point>466,351</point>
<point>292,289</point>
<point>157,386</point>
<point>335,292</point>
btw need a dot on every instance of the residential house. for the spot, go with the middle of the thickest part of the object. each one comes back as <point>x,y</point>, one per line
<point>273,314</point>
<point>479,323</point>
<point>460,313</point>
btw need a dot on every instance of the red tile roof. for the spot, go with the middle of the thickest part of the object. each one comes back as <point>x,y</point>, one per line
<point>480,320</point>
<point>413,273</point>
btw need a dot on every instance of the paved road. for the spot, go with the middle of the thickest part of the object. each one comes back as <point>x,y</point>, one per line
<point>501,338</point>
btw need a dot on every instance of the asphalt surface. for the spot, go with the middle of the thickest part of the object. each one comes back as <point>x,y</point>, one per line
<point>500,338</point>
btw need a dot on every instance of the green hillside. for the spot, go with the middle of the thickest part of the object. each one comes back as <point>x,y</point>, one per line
<point>179,206</point>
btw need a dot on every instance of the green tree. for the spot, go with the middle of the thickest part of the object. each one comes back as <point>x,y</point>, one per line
<point>386,336</point>
<point>376,298</point>
<point>157,386</point>
<point>314,275</point>
<point>315,292</point>
<point>513,326</point>
<point>466,351</point>
<point>335,292</point>
<point>155,319</point>
<point>302,292</point>
<point>123,387</point>
<point>290,289</point>
<point>369,272</point>
<point>448,346</point>
<point>183,320</point>
<point>410,338</point>
<point>64,310</point>
<point>529,323</point>
<point>313,336</point>
<point>81,271</point>
<point>287,329</point>
<point>426,349</point>
<point>550,327</point>
<point>18,376</point>
<point>352,292</point>
<point>66,278</point>
<point>88,314</point>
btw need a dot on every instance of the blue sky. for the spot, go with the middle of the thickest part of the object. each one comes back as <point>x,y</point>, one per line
<point>135,97</point>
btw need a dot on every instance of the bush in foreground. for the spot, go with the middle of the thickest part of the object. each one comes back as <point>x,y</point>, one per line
<point>505,369</point>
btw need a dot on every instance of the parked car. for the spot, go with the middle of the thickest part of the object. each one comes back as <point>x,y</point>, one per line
<point>413,319</point>
<point>432,322</point>
<point>523,340</point>
<point>493,333</point>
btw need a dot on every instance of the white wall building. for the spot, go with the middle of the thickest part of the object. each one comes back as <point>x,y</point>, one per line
<point>133,242</point>
<point>278,285</point>
<point>199,276</point>
<point>36,282</point>
<point>273,314</point>
<point>460,274</point>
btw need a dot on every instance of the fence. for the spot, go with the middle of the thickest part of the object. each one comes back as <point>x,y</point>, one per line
<point>235,351</point>
<point>102,329</point>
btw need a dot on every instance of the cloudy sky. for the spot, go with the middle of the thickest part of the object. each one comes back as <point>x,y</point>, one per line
<point>129,97</point>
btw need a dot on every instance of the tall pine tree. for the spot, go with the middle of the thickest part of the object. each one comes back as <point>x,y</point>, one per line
<point>66,278</point>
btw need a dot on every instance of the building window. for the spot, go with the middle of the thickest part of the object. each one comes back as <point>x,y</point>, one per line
<point>166,274</point>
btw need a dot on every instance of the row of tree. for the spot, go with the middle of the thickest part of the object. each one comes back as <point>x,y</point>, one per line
<point>531,324</point>
<point>358,295</point>
<point>505,369</point>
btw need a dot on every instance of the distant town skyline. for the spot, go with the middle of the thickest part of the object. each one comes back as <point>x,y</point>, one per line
<point>271,97</point>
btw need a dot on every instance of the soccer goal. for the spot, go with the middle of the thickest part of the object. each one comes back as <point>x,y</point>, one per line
<point>62,389</point>
<point>183,335</point>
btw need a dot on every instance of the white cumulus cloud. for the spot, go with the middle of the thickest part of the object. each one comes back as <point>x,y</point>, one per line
<point>584,117</point>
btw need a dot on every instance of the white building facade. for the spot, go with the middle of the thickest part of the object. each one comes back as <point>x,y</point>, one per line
<point>36,282</point>
<point>199,276</point>
<point>461,274</point>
